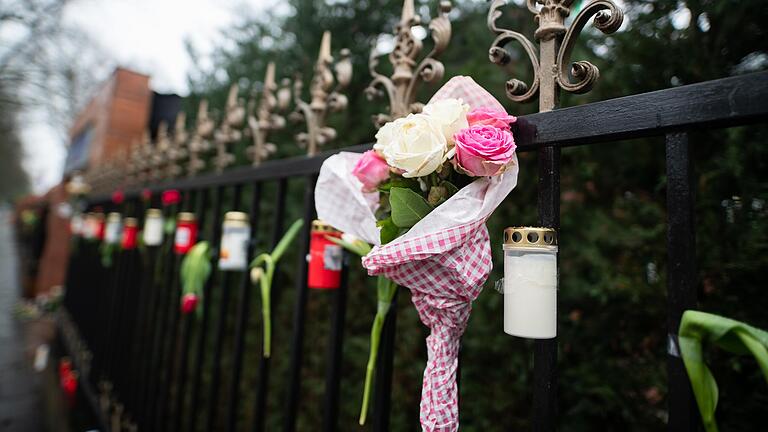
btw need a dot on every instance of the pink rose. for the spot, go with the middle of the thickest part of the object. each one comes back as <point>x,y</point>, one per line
<point>371,170</point>
<point>484,150</point>
<point>490,117</point>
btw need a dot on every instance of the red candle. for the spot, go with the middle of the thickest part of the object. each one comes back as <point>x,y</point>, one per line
<point>100,226</point>
<point>65,366</point>
<point>130,230</point>
<point>324,257</point>
<point>186,233</point>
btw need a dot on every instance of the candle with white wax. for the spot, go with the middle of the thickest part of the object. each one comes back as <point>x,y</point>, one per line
<point>114,225</point>
<point>530,282</point>
<point>153,228</point>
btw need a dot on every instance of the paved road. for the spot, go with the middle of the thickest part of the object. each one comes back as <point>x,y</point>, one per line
<point>21,405</point>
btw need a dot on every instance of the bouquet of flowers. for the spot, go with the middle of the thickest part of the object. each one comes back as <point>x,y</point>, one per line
<point>421,197</point>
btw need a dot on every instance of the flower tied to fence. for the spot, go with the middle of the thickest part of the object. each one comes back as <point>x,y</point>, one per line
<point>427,219</point>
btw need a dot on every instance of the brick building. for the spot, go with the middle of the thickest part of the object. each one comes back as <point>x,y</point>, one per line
<point>117,116</point>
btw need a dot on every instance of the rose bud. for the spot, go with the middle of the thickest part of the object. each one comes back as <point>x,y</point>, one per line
<point>371,170</point>
<point>490,117</point>
<point>189,303</point>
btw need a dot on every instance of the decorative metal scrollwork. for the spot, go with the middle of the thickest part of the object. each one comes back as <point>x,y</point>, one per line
<point>229,132</point>
<point>200,142</point>
<point>177,151</point>
<point>263,119</point>
<point>401,88</point>
<point>325,97</point>
<point>550,17</point>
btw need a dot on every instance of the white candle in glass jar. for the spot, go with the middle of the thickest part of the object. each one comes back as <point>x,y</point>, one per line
<point>113,228</point>
<point>153,228</point>
<point>235,236</point>
<point>530,282</point>
<point>76,224</point>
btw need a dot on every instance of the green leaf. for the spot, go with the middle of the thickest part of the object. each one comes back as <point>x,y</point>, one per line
<point>282,245</point>
<point>408,207</point>
<point>401,182</point>
<point>733,336</point>
<point>389,231</point>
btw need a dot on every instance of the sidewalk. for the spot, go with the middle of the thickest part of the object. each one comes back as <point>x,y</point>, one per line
<point>21,403</point>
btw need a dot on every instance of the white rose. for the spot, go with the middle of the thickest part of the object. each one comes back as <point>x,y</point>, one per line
<point>451,114</point>
<point>414,144</point>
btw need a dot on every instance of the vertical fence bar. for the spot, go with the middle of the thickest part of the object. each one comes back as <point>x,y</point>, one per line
<point>138,347</point>
<point>382,392</point>
<point>263,375</point>
<point>178,331</point>
<point>164,295</point>
<point>243,310</point>
<point>154,254</point>
<point>335,345</point>
<point>213,401</point>
<point>207,293</point>
<point>545,351</point>
<point>681,276</point>
<point>186,332</point>
<point>169,338</point>
<point>299,313</point>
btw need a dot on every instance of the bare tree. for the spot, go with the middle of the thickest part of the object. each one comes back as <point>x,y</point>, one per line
<point>47,69</point>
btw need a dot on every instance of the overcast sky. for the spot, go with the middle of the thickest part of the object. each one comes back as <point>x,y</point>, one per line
<point>144,35</point>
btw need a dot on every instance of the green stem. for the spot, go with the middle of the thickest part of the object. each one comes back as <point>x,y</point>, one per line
<point>378,324</point>
<point>266,315</point>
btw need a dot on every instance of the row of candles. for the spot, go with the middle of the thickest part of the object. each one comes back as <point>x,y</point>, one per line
<point>530,259</point>
<point>324,259</point>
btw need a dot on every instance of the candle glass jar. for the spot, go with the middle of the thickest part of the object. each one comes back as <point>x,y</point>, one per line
<point>235,236</point>
<point>112,230</point>
<point>153,227</point>
<point>186,232</point>
<point>130,230</point>
<point>324,257</point>
<point>76,225</point>
<point>98,226</point>
<point>530,282</point>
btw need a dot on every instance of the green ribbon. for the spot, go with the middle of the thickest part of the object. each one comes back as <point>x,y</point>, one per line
<point>733,336</point>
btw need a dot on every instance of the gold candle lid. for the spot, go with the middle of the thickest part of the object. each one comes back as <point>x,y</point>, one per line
<point>113,217</point>
<point>320,226</point>
<point>235,216</point>
<point>186,216</point>
<point>530,237</point>
<point>130,222</point>
<point>153,212</point>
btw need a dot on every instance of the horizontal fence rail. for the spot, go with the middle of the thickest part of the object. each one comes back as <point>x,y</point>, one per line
<point>144,364</point>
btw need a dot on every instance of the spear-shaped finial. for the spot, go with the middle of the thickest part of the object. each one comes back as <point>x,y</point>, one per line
<point>200,139</point>
<point>408,72</point>
<point>409,12</point>
<point>262,119</point>
<point>324,97</point>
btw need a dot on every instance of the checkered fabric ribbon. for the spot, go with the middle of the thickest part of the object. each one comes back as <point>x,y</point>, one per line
<point>444,259</point>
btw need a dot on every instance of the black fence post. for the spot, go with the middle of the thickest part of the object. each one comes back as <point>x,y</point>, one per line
<point>262,386</point>
<point>335,345</point>
<point>207,294</point>
<point>299,313</point>
<point>545,351</point>
<point>681,276</point>
<point>243,311</point>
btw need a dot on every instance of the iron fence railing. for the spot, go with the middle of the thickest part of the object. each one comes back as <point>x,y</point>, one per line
<point>144,364</point>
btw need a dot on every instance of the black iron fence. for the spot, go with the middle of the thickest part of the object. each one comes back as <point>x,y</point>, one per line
<point>144,364</point>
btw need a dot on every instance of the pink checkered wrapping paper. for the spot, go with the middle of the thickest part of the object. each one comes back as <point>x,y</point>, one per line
<point>444,259</point>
